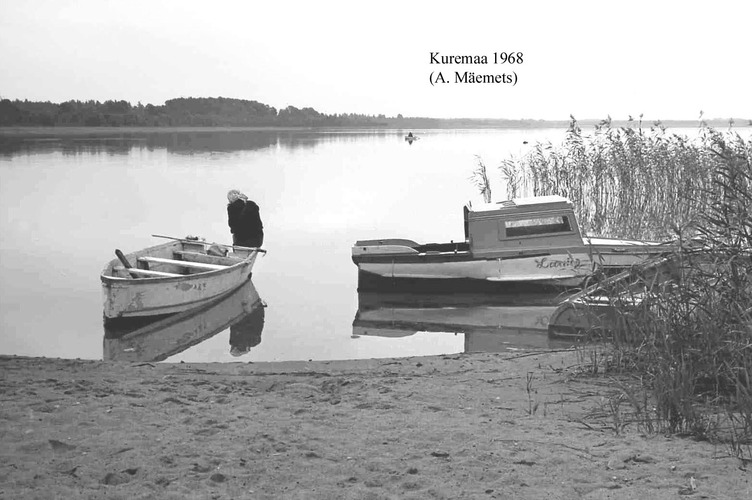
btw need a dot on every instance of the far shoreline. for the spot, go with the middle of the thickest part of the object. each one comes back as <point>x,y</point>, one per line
<point>18,131</point>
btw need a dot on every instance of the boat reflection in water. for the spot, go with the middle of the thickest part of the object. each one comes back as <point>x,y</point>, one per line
<point>156,338</point>
<point>488,323</point>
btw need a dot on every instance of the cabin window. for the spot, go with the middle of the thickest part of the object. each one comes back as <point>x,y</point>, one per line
<point>536,226</point>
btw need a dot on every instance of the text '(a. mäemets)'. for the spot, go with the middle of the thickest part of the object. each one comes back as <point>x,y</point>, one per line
<point>465,76</point>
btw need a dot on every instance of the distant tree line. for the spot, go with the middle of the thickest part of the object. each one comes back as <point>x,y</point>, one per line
<point>228,112</point>
<point>217,112</point>
<point>181,112</point>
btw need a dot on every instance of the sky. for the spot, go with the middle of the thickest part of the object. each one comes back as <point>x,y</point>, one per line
<point>591,59</point>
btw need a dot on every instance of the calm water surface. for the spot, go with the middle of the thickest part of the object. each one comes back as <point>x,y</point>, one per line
<point>68,203</point>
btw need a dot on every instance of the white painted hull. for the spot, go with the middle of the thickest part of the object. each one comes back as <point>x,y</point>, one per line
<point>565,268</point>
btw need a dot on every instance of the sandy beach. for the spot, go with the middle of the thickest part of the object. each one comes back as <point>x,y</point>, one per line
<point>524,425</point>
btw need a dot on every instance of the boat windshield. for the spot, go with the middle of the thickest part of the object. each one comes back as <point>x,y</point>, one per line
<point>534,226</point>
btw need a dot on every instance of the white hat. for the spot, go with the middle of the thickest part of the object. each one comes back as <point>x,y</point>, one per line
<point>234,194</point>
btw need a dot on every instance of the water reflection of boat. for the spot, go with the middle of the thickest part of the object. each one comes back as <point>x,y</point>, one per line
<point>158,338</point>
<point>487,323</point>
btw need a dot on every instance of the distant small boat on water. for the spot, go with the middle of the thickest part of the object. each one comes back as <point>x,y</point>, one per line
<point>410,137</point>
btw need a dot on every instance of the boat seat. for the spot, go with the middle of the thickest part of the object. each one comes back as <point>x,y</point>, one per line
<point>203,258</point>
<point>147,272</point>
<point>184,263</point>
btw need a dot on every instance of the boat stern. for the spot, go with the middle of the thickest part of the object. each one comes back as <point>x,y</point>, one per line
<point>363,250</point>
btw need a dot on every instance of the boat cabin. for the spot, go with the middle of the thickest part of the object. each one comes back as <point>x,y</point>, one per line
<point>522,223</point>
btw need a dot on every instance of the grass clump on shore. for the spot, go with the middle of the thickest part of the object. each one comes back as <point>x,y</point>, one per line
<point>687,340</point>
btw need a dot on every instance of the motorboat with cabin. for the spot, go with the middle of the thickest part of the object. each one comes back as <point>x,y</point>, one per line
<point>524,244</point>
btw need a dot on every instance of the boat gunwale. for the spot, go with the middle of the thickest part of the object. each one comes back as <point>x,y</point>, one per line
<point>107,278</point>
<point>593,249</point>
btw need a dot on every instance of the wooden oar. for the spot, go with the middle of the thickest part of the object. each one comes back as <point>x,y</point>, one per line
<point>260,250</point>
<point>125,262</point>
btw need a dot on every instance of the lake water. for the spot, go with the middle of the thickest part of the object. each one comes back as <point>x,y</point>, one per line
<point>68,203</point>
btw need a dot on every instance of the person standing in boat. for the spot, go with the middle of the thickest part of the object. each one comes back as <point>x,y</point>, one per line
<point>244,220</point>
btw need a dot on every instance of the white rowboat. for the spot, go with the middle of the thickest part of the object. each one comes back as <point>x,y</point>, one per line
<point>173,277</point>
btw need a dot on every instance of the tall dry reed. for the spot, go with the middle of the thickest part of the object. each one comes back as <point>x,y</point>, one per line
<point>694,338</point>
<point>688,338</point>
<point>624,182</point>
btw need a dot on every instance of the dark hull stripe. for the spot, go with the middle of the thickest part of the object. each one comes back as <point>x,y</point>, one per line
<point>373,282</point>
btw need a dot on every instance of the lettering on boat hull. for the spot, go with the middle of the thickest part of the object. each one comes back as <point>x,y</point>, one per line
<point>513,270</point>
<point>553,263</point>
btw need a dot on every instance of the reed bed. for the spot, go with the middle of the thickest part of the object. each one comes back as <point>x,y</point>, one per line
<point>624,182</point>
<point>688,339</point>
<point>691,337</point>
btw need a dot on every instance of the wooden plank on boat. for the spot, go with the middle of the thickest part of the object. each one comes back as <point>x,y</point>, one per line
<point>147,272</point>
<point>185,263</point>
<point>206,259</point>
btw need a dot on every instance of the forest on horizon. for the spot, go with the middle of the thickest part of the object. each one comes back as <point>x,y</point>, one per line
<point>230,112</point>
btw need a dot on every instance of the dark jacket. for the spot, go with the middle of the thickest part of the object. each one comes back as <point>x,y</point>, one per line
<point>245,223</point>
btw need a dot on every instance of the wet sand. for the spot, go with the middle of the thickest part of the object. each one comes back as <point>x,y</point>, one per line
<point>447,427</point>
